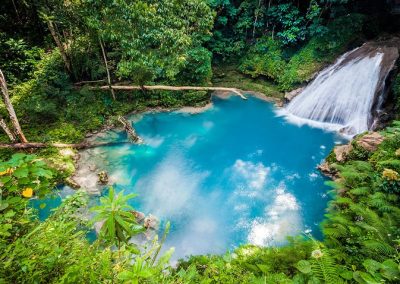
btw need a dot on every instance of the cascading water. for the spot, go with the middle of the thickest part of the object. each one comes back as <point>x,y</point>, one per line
<point>342,96</point>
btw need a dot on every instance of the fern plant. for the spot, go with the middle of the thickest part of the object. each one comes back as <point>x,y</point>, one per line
<point>321,266</point>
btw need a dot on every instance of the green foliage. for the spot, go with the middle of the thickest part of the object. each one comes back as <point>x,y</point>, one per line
<point>321,267</point>
<point>396,92</point>
<point>289,22</point>
<point>21,177</point>
<point>119,223</point>
<point>17,59</point>
<point>362,224</point>
<point>155,40</point>
<point>54,251</point>
<point>321,50</point>
<point>197,67</point>
<point>264,58</point>
<point>292,66</point>
<point>38,99</point>
<point>163,42</point>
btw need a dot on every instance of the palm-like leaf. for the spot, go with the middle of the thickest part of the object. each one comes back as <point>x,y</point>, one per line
<point>119,224</point>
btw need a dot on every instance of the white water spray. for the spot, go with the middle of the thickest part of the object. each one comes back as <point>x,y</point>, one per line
<point>341,97</point>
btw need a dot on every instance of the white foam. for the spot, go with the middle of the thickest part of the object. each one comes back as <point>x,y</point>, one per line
<point>255,174</point>
<point>313,176</point>
<point>282,218</point>
<point>171,187</point>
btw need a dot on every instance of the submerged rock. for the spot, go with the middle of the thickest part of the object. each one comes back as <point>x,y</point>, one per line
<point>370,142</point>
<point>151,222</point>
<point>140,216</point>
<point>72,183</point>
<point>103,177</point>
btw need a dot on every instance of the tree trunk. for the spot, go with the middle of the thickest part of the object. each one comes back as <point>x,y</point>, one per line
<point>256,19</point>
<point>16,11</point>
<point>103,51</point>
<point>10,109</point>
<point>7,130</point>
<point>60,46</point>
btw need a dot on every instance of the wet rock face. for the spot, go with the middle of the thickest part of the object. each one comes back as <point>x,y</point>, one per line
<point>370,142</point>
<point>292,94</point>
<point>327,170</point>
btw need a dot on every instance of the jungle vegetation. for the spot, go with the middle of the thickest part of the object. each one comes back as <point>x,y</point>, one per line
<point>54,53</point>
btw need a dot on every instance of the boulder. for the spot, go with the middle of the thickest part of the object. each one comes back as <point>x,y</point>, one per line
<point>138,215</point>
<point>326,170</point>
<point>292,94</point>
<point>342,151</point>
<point>371,141</point>
<point>103,177</point>
<point>279,104</point>
<point>72,183</point>
<point>151,222</point>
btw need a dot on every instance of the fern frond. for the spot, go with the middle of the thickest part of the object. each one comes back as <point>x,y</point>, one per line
<point>378,247</point>
<point>325,269</point>
<point>359,191</point>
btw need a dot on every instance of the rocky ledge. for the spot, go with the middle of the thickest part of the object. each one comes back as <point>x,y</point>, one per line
<point>368,142</point>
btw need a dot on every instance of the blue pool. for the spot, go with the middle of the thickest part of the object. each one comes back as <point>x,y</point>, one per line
<point>234,174</point>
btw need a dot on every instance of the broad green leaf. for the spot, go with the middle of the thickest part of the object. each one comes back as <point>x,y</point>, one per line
<point>304,266</point>
<point>390,270</point>
<point>21,172</point>
<point>371,265</point>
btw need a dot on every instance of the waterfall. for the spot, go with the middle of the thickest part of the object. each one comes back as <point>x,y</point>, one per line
<point>342,96</point>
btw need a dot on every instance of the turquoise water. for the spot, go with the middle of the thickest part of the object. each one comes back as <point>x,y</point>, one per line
<point>234,174</point>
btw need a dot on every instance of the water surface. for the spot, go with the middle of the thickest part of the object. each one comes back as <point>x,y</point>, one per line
<point>234,174</point>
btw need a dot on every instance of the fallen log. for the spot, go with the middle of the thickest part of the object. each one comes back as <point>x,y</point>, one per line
<point>37,145</point>
<point>89,82</point>
<point>130,130</point>
<point>171,88</point>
